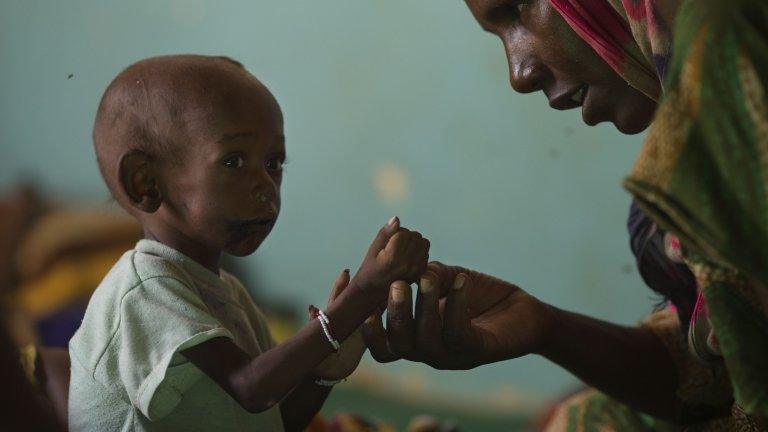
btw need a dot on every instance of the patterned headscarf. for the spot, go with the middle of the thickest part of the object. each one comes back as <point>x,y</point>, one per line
<point>632,36</point>
<point>642,63</point>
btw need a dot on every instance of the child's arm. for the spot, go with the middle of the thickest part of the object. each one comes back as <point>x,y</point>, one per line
<point>305,401</point>
<point>301,406</point>
<point>259,383</point>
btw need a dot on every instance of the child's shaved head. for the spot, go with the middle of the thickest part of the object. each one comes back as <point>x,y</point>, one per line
<point>193,147</point>
<point>152,107</point>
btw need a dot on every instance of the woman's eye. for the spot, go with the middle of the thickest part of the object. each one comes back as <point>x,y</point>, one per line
<point>520,7</point>
<point>507,12</point>
<point>234,162</point>
<point>274,164</point>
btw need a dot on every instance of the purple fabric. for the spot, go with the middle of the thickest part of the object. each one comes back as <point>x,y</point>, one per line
<point>670,279</point>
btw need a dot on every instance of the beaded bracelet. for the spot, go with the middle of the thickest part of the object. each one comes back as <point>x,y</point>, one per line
<point>325,323</point>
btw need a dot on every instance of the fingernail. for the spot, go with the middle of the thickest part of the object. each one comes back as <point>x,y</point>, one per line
<point>398,295</point>
<point>392,221</point>
<point>425,285</point>
<point>458,283</point>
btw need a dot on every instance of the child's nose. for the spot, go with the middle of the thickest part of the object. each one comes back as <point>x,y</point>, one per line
<point>263,194</point>
<point>264,191</point>
<point>261,179</point>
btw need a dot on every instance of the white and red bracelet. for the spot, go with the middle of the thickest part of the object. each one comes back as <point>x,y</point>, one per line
<point>325,323</point>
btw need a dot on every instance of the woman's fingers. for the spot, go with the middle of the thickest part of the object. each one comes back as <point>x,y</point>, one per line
<point>457,327</point>
<point>400,324</point>
<point>341,282</point>
<point>439,339</point>
<point>445,276</point>
<point>375,337</point>
<point>428,323</point>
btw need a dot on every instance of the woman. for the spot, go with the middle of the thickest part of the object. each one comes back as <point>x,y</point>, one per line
<point>695,72</point>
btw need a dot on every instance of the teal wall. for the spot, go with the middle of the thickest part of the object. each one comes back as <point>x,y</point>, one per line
<point>391,107</point>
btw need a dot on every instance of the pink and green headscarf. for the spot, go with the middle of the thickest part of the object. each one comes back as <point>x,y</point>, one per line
<point>631,36</point>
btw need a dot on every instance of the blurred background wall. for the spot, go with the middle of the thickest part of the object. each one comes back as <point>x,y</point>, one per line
<point>391,107</point>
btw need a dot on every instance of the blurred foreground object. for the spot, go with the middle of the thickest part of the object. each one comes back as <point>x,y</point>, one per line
<point>22,408</point>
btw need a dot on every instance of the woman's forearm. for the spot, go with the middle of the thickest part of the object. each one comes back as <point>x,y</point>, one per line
<point>630,364</point>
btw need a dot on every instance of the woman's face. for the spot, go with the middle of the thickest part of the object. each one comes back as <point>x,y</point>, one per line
<point>545,54</point>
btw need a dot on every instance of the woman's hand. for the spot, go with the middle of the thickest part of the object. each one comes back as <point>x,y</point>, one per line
<point>463,319</point>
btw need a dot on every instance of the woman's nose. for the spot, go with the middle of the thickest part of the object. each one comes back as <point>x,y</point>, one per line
<point>526,73</point>
<point>525,78</point>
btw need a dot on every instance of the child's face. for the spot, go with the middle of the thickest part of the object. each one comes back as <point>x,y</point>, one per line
<point>224,194</point>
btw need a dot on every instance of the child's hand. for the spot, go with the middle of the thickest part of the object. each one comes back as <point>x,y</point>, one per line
<point>341,364</point>
<point>395,254</point>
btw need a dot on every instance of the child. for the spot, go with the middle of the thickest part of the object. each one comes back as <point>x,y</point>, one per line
<point>193,147</point>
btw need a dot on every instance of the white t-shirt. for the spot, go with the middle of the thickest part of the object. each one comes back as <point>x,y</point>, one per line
<point>127,373</point>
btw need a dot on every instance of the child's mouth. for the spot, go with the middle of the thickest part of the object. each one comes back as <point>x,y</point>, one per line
<point>247,228</point>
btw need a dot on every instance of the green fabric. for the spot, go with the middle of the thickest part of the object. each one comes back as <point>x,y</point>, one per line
<point>593,411</point>
<point>703,175</point>
<point>602,412</point>
<point>127,373</point>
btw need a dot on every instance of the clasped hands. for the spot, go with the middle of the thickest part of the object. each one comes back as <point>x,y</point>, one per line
<point>461,319</point>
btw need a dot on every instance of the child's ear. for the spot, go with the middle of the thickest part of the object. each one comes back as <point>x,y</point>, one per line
<point>138,180</point>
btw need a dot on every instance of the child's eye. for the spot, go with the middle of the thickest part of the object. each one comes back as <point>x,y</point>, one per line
<point>275,164</point>
<point>234,162</point>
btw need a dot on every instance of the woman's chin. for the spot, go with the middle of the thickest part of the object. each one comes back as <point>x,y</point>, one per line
<point>634,115</point>
<point>625,127</point>
<point>632,122</point>
<point>633,128</point>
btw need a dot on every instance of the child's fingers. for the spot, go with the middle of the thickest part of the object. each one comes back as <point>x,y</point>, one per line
<point>417,246</point>
<point>425,245</point>
<point>382,237</point>
<point>424,257</point>
<point>396,243</point>
<point>421,258</point>
<point>401,244</point>
<point>338,286</point>
<point>407,252</point>
<point>414,242</point>
<point>375,337</point>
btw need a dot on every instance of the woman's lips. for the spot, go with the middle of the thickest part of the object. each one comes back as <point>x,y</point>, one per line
<point>580,94</point>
